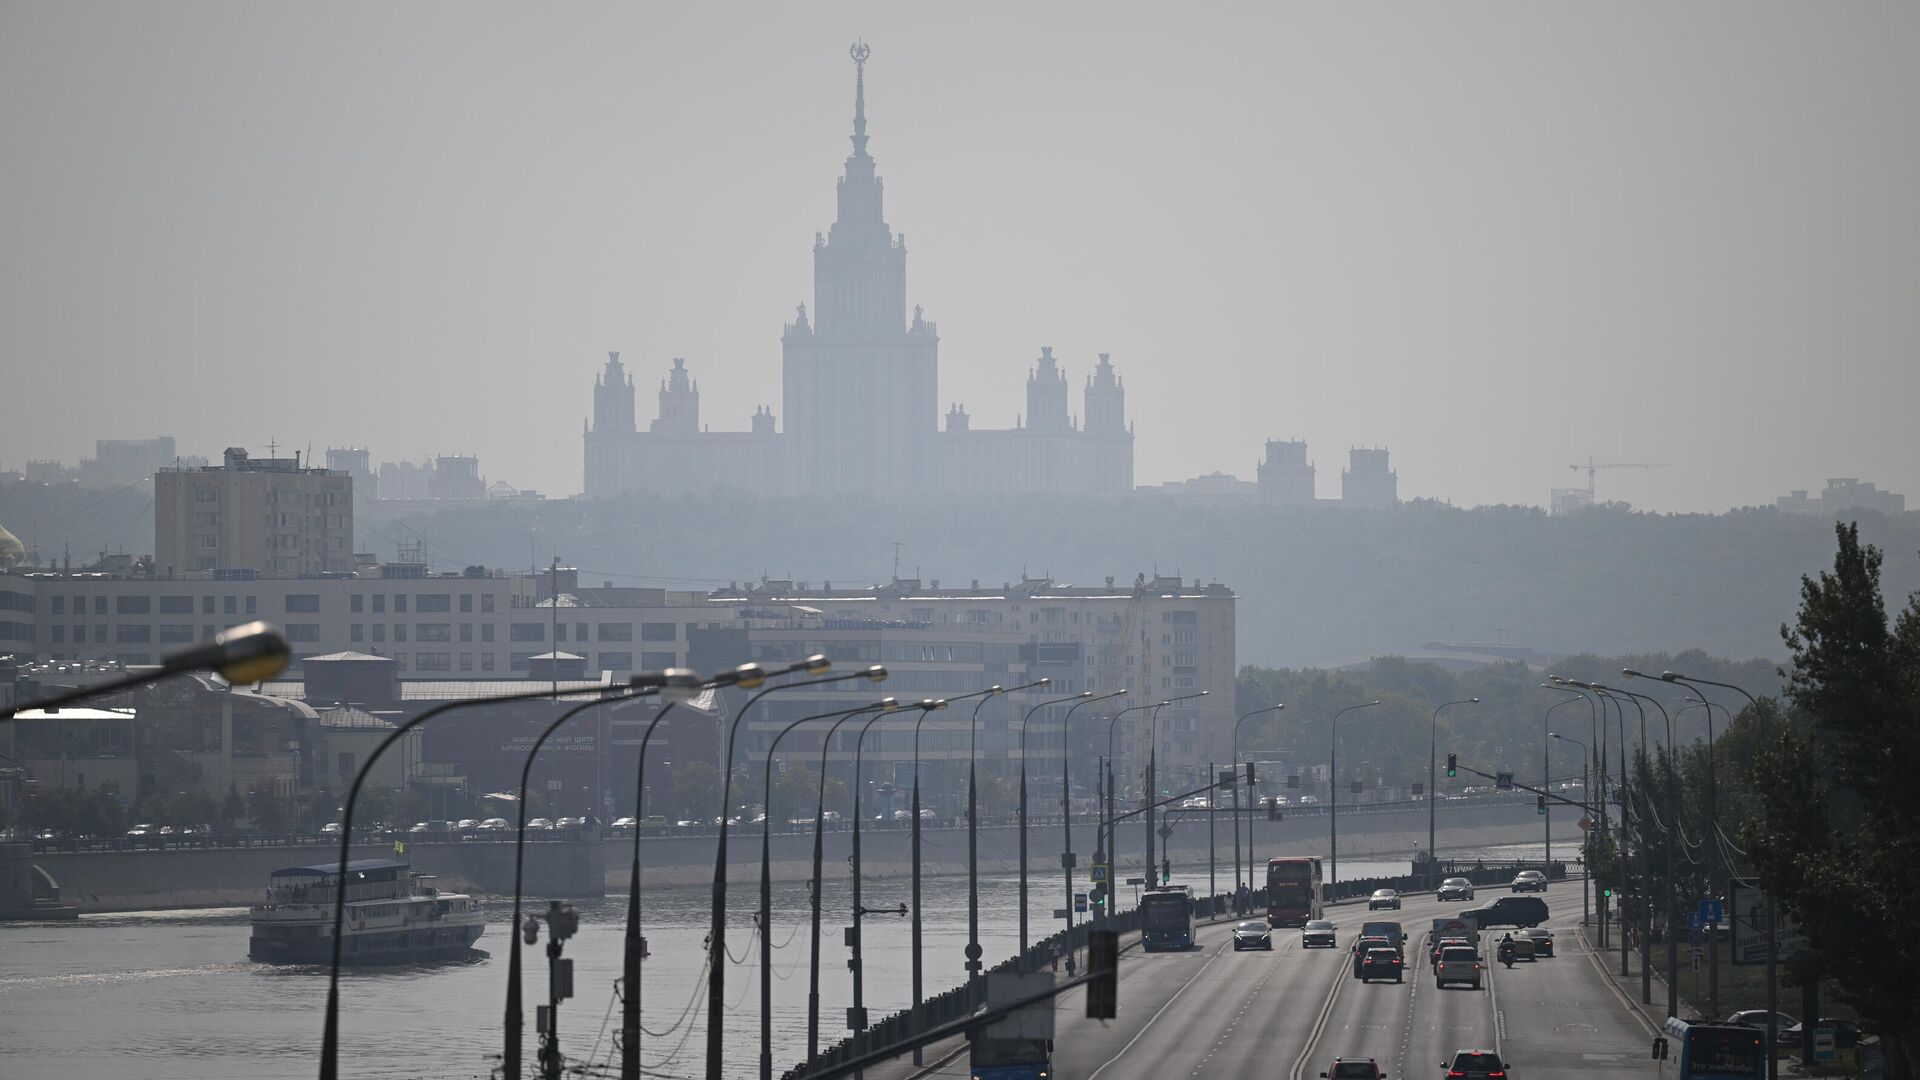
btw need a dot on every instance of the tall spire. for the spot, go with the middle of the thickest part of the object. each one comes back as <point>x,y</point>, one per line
<point>859,51</point>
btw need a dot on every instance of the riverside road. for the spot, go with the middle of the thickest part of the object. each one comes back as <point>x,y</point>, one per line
<point>1287,1014</point>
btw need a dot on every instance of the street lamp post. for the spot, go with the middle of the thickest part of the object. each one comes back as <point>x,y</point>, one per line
<point>1236,809</point>
<point>747,677</point>
<point>1596,798</point>
<point>1773,948</point>
<point>1671,831</point>
<point>330,1036</point>
<point>1333,786</point>
<point>1025,721</point>
<point>515,1015</point>
<point>1112,848</point>
<point>873,674</point>
<point>1586,794</point>
<point>883,706</point>
<point>974,966</point>
<point>1433,784</point>
<point>1713,844</point>
<point>1546,776</point>
<point>1066,810</point>
<point>914,843</point>
<point>857,1016</point>
<point>1153,761</point>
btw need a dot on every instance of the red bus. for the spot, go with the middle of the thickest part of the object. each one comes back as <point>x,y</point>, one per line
<point>1293,890</point>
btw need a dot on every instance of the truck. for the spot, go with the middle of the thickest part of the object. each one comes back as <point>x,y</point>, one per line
<point>1018,1046</point>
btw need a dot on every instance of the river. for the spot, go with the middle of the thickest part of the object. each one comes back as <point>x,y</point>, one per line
<point>171,995</point>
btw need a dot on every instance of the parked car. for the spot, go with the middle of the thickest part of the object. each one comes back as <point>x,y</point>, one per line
<point>1381,963</point>
<point>1510,911</point>
<point>1317,934</point>
<point>1455,888</point>
<point>1383,898</point>
<point>1542,940</point>
<point>903,815</point>
<point>1783,1024</point>
<point>539,824</point>
<point>1252,934</point>
<point>1457,964</point>
<point>331,828</point>
<point>1309,800</point>
<point>494,824</point>
<point>1475,1065</point>
<point>1529,881</point>
<point>467,824</point>
<point>149,830</point>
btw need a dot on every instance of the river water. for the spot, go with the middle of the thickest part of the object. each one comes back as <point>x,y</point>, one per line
<point>171,994</point>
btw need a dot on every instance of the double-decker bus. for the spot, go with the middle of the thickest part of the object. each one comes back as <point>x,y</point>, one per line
<point>1293,890</point>
<point>1717,1051</point>
<point>1166,918</point>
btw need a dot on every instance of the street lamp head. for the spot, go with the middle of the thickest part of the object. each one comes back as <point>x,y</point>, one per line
<point>244,654</point>
<point>930,704</point>
<point>887,704</point>
<point>1085,694</point>
<point>818,664</point>
<point>748,676</point>
<point>876,674</point>
<point>1044,681</point>
<point>996,688</point>
<point>1473,701</point>
<point>676,685</point>
<point>1632,674</point>
<point>1671,676</point>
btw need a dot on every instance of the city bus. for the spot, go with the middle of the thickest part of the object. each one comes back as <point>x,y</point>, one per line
<point>1717,1051</point>
<point>1294,888</point>
<point>1166,918</point>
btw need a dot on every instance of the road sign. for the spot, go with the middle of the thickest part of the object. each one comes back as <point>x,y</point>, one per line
<point>1586,823</point>
<point>1079,901</point>
<point>1696,959</point>
<point>1824,1045</point>
<point>1097,872</point>
<point>1693,920</point>
<point>1711,911</point>
<point>1165,831</point>
<point>1747,926</point>
<point>1503,781</point>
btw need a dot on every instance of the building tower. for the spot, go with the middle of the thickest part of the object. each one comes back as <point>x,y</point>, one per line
<point>679,402</point>
<point>1109,441</point>
<point>613,399</point>
<point>1106,401</point>
<point>859,382</point>
<point>1286,477</point>
<point>1367,482</point>
<point>1047,395</point>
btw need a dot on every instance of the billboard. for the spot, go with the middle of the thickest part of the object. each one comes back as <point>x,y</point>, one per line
<point>1747,924</point>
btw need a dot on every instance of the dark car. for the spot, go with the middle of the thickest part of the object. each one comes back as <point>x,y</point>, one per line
<point>1318,933</point>
<point>1475,1065</point>
<point>1381,963</point>
<point>1529,881</point>
<point>1516,911</point>
<point>1253,934</point>
<point>1354,1069</point>
<point>1455,888</point>
<point>1383,898</point>
<point>1542,940</point>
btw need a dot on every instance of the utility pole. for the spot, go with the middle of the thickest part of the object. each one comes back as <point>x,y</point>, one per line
<point>562,921</point>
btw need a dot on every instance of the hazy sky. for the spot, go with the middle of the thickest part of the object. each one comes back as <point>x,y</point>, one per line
<point>1495,238</point>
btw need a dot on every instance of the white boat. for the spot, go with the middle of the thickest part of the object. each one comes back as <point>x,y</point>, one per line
<point>393,916</point>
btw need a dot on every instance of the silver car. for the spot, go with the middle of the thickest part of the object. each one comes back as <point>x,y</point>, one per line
<point>1253,934</point>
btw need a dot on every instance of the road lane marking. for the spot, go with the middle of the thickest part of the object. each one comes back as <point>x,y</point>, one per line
<point>1144,1028</point>
<point>1340,977</point>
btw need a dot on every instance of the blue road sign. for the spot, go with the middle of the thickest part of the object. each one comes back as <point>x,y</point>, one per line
<point>1711,911</point>
<point>1080,901</point>
<point>1693,920</point>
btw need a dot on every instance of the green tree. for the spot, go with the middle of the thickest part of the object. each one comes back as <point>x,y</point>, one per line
<point>409,807</point>
<point>376,805</point>
<point>1835,838</point>
<point>694,792</point>
<point>233,807</point>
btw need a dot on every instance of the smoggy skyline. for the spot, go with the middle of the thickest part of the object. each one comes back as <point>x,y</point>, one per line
<point>1493,241</point>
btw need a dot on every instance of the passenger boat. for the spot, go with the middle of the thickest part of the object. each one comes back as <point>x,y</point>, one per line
<point>393,916</point>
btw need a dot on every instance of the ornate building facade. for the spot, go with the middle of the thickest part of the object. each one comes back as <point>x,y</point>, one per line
<point>860,394</point>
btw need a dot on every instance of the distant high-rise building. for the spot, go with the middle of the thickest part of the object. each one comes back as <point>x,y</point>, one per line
<point>1286,477</point>
<point>254,515</point>
<point>860,393</point>
<point>1367,482</point>
<point>456,476</point>
<point>1842,494</point>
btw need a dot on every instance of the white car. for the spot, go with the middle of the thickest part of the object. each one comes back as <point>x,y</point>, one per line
<point>1457,964</point>
<point>540,824</point>
<point>495,824</point>
<point>331,828</point>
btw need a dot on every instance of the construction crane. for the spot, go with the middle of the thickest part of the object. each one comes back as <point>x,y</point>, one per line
<point>1591,466</point>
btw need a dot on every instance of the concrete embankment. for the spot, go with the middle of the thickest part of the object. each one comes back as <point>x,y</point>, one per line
<point>98,881</point>
<point>147,880</point>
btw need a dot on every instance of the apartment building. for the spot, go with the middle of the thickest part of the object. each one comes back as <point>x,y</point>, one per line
<point>252,515</point>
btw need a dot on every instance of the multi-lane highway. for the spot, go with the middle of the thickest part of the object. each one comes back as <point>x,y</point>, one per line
<point>1287,1014</point>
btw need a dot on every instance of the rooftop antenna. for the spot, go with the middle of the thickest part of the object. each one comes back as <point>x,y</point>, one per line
<point>897,545</point>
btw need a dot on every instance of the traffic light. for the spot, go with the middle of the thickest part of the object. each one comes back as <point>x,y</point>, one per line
<point>1607,892</point>
<point>1273,810</point>
<point>1249,774</point>
<point>1293,780</point>
<point>1166,871</point>
<point>1453,764</point>
<point>1098,897</point>
<point>1540,804</point>
<point>1103,971</point>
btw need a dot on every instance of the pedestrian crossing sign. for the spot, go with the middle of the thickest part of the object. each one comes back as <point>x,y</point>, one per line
<point>1097,871</point>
